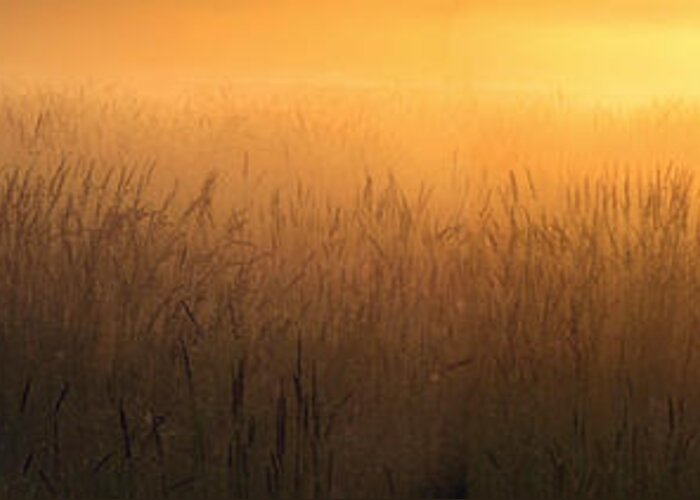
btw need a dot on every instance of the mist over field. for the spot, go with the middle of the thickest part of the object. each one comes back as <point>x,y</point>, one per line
<point>624,51</point>
<point>363,250</point>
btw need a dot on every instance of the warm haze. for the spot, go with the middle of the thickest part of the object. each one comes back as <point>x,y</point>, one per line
<point>618,49</point>
<point>363,249</point>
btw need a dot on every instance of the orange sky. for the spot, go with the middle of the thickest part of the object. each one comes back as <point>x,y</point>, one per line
<point>613,45</point>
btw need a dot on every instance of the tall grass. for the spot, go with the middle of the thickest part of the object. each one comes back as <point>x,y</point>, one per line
<point>274,331</point>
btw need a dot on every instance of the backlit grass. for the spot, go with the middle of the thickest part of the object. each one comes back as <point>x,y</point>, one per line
<point>324,293</point>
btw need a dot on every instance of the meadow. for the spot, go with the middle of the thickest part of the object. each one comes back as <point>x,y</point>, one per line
<point>301,291</point>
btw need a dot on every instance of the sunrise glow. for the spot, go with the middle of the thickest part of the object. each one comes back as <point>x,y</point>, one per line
<point>625,50</point>
<point>332,249</point>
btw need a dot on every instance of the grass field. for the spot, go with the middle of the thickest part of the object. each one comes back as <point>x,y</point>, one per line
<point>325,292</point>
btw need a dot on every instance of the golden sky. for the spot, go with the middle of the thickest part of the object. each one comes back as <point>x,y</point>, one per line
<point>618,46</point>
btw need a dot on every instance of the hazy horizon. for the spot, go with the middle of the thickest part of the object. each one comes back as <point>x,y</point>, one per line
<point>624,48</point>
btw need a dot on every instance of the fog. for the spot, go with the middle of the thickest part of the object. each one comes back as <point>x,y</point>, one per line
<point>623,48</point>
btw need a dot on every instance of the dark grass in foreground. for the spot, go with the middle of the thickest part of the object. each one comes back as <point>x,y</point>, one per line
<point>499,347</point>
